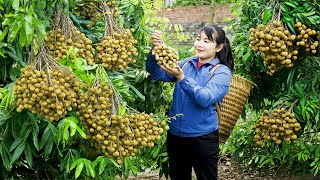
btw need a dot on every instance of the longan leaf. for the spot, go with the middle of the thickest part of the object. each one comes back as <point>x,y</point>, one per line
<point>4,33</point>
<point>15,4</point>
<point>74,164</point>
<point>79,169</point>
<point>102,165</point>
<point>17,153</point>
<point>5,156</point>
<point>89,167</point>
<point>48,147</point>
<point>266,16</point>
<point>28,154</point>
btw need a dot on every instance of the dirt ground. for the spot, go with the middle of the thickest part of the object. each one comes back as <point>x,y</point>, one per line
<point>229,170</point>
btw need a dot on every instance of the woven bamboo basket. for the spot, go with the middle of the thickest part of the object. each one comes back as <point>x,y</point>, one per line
<point>232,105</point>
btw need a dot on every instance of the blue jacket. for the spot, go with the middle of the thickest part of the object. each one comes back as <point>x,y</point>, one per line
<point>194,96</point>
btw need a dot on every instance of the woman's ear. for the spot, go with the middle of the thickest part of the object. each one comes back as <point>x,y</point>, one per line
<point>220,47</point>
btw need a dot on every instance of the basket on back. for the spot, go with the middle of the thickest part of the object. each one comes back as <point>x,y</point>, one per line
<point>232,105</point>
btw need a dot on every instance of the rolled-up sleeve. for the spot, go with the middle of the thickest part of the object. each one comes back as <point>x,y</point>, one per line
<point>155,71</point>
<point>213,91</point>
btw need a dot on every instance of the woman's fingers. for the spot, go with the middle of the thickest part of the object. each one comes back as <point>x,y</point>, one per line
<point>156,38</point>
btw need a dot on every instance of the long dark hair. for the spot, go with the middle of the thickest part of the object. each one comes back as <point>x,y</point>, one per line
<point>225,55</point>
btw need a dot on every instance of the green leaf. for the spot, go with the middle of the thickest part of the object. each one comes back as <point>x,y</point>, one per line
<point>14,29</point>
<point>292,4</point>
<point>28,154</point>
<point>266,16</point>
<point>4,33</point>
<point>19,140</point>
<point>41,31</point>
<point>5,156</point>
<point>74,164</point>
<point>89,167</point>
<point>102,164</point>
<point>246,56</point>
<point>4,118</point>
<point>17,153</point>
<point>48,147</point>
<point>79,169</point>
<point>16,143</point>
<point>29,31</point>
<point>82,134</point>
<point>15,4</point>
<point>284,8</point>
<point>141,96</point>
<point>45,137</point>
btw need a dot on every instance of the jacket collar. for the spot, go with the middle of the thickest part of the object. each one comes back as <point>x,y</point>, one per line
<point>213,62</point>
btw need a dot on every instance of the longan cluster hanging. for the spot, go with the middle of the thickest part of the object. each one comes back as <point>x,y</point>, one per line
<point>279,126</point>
<point>89,10</point>
<point>307,38</point>
<point>166,55</point>
<point>46,88</point>
<point>116,50</point>
<point>278,47</point>
<point>64,36</point>
<point>114,135</point>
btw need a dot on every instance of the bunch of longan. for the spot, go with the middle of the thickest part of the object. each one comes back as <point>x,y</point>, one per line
<point>57,44</point>
<point>89,11</point>
<point>127,134</point>
<point>84,45</point>
<point>306,39</point>
<point>48,93</point>
<point>114,135</point>
<point>279,126</point>
<point>117,51</point>
<point>113,5</point>
<point>166,55</point>
<point>276,45</point>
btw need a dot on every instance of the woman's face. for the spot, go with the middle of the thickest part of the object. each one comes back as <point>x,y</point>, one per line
<point>205,49</point>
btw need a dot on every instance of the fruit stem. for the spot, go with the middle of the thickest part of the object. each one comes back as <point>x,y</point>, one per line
<point>292,105</point>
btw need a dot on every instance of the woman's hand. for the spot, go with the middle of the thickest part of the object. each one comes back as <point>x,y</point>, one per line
<point>156,39</point>
<point>176,72</point>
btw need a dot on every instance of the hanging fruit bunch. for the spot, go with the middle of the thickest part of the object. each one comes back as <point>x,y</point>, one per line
<point>116,50</point>
<point>70,37</point>
<point>113,6</point>
<point>307,38</point>
<point>57,44</point>
<point>46,88</point>
<point>280,48</point>
<point>275,43</point>
<point>278,126</point>
<point>166,55</point>
<point>89,10</point>
<point>114,135</point>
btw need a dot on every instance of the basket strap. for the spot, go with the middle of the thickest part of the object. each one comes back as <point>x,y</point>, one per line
<point>216,103</point>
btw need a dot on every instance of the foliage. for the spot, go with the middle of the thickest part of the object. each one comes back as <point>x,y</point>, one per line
<point>248,63</point>
<point>198,3</point>
<point>299,82</point>
<point>299,157</point>
<point>32,147</point>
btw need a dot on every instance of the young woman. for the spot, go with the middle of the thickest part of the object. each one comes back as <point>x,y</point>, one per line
<point>193,138</point>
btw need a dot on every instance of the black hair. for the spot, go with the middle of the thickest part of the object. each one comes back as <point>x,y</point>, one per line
<point>225,55</point>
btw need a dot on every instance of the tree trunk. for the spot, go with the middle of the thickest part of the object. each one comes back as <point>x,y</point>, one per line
<point>212,10</point>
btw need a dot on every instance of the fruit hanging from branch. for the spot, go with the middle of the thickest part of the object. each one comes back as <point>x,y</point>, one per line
<point>117,48</point>
<point>64,36</point>
<point>278,126</point>
<point>45,87</point>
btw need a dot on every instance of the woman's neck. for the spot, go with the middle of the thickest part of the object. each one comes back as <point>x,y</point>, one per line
<point>205,60</point>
